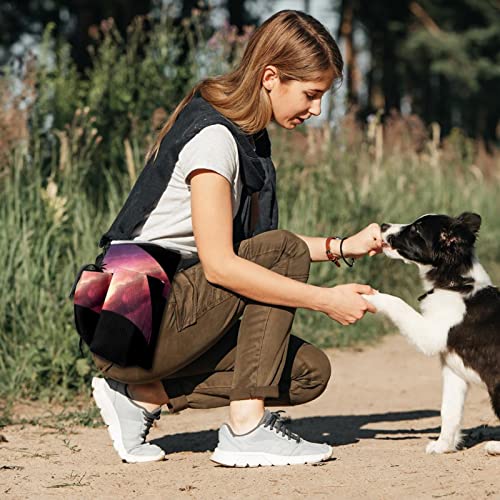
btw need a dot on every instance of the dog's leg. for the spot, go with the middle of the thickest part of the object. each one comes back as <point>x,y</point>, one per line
<point>423,333</point>
<point>493,447</point>
<point>452,407</point>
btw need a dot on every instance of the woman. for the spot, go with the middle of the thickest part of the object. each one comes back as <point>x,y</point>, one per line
<point>207,192</point>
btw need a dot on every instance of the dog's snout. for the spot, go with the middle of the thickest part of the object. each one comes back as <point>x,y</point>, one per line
<point>384,227</point>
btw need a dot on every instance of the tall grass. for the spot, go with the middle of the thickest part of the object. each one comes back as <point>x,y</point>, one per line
<point>70,149</point>
<point>49,226</point>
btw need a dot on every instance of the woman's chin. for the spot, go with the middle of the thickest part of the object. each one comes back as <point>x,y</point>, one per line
<point>289,125</point>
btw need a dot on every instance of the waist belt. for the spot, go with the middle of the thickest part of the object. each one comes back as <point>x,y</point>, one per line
<point>119,301</point>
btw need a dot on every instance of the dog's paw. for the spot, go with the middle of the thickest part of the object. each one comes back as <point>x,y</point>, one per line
<point>439,447</point>
<point>379,300</point>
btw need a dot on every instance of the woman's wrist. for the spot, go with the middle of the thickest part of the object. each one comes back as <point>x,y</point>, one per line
<point>346,247</point>
<point>344,255</point>
<point>316,298</point>
<point>339,253</point>
<point>332,249</point>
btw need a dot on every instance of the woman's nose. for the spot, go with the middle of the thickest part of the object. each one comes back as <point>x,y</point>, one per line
<point>315,108</point>
<point>384,227</point>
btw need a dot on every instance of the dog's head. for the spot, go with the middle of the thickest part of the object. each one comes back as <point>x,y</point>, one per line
<point>433,240</point>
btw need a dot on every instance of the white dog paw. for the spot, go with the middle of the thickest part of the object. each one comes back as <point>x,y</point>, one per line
<point>492,447</point>
<point>439,447</point>
<point>379,300</point>
<point>371,298</point>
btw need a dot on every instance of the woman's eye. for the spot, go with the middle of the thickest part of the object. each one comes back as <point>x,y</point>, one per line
<point>310,97</point>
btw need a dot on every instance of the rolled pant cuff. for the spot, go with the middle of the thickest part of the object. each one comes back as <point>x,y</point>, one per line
<point>177,400</point>
<point>265,392</point>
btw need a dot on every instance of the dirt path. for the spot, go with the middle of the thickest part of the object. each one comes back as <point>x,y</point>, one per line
<point>380,411</point>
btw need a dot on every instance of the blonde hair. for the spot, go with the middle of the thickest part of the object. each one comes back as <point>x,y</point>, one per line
<point>300,48</point>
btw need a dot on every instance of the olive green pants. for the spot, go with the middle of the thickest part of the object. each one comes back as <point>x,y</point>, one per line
<point>215,346</point>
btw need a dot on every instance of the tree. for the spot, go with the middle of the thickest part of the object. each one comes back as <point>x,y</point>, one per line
<point>72,19</point>
<point>454,46</point>
<point>238,14</point>
<point>441,54</point>
<point>346,35</point>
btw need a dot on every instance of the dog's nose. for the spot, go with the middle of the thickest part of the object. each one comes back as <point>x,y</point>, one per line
<point>384,227</point>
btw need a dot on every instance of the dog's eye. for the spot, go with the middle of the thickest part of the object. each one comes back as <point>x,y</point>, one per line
<point>415,230</point>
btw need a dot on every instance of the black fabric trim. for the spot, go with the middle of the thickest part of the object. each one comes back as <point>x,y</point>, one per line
<point>86,322</point>
<point>167,259</point>
<point>118,340</point>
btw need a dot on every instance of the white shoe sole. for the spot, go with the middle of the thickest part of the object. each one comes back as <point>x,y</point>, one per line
<point>493,447</point>
<point>256,459</point>
<point>110,418</point>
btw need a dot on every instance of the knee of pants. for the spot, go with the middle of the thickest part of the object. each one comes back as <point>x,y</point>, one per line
<point>292,248</point>
<point>315,373</point>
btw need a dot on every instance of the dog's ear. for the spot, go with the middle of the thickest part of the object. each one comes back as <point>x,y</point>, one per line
<point>471,221</point>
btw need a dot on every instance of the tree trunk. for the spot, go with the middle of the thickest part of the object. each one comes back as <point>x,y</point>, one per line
<point>375,90</point>
<point>345,35</point>
<point>187,7</point>
<point>237,14</point>
<point>390,77</point>
<point>444,105</point>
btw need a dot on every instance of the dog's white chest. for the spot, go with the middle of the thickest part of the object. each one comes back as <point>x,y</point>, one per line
<point>444,309</point>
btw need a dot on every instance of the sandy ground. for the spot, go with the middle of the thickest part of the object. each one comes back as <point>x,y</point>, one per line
<point>379,411</point>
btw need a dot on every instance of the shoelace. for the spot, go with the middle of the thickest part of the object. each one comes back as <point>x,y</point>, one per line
<point>149,419</point>
<point>277,423</point>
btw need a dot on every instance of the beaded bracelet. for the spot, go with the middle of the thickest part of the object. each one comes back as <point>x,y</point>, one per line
<point>332,258</point>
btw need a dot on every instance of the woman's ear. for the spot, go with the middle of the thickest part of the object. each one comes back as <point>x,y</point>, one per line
<point>270,77</point>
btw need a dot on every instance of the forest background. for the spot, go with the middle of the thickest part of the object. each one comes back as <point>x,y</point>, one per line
<point>85,86</point>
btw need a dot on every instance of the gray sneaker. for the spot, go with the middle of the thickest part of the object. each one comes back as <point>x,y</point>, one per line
<point>270,443</point>
<point>128,424</point>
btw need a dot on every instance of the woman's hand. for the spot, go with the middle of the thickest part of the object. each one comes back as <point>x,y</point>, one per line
<point>367,241</point>
<point>344,303</point>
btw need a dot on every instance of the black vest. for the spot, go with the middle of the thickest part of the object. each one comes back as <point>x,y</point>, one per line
<point>257,174</point>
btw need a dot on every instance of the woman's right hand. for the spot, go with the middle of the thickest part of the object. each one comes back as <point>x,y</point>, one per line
<point>344,304</point>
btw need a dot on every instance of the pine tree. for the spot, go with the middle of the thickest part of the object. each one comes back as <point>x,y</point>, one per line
<point>451,63</point>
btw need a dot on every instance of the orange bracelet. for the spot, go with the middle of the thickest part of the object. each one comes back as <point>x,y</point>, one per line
<point>329,254</point>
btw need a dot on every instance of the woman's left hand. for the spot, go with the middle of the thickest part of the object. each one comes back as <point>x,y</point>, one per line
<point>367,241</point>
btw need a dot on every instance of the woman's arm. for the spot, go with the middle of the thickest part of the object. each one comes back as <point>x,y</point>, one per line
<point>367,241</point>
<point>212,226</point>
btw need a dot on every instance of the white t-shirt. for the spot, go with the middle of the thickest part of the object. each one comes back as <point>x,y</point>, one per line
<point>170,223</point>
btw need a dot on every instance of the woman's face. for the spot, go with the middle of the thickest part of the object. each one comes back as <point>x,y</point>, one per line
<point>294,101</point>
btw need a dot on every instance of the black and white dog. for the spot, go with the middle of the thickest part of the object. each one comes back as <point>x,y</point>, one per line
<point>460,318</point>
